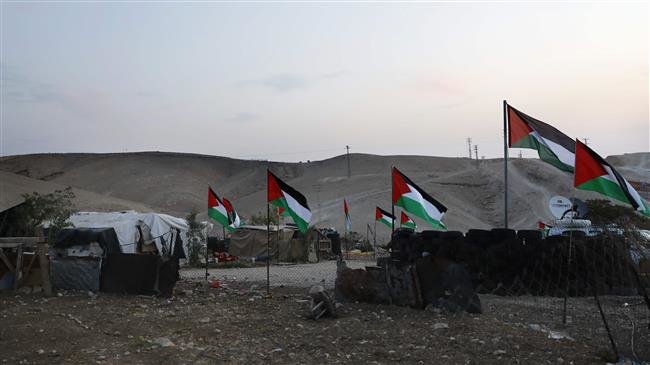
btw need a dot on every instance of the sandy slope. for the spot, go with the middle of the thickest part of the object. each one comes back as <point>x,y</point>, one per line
<point>176,183</point>
<point>13,186</point>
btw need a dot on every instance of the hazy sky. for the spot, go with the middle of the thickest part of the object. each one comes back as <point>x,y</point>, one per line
<point>291,81</point>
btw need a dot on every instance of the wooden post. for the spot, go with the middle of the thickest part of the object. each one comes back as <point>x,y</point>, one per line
<point>44,263</point>
<point>18,275</point>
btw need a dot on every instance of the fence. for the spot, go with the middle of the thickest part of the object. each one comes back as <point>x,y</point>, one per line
<point>593,289</point>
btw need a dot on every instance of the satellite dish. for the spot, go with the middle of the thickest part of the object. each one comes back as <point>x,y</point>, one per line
<point>559,206</point>
<point>580,208</point>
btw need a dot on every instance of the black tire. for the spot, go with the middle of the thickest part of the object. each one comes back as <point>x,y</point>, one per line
<point>529,235</point>
<point>503,234</point>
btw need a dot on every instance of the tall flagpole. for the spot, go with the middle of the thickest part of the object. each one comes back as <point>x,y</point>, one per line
<point>268,237</point>
<point>392,205</point>
<point>374,237</point>
<point>505,164</point>
<point>277,237</point>
<point>268,246</point>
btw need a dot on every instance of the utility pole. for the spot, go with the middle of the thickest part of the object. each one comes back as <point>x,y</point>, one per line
<point>348,155</point>
<point>586,140</point>
<point>469,146</point>
<point>519,154</point>
<point>476,154</point>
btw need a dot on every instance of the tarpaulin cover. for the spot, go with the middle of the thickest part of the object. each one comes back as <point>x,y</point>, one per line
<point>125,225</point>
<point>75,273</point>
<point>106,238</point>
<point>130,273</point>
<point>246,242</point>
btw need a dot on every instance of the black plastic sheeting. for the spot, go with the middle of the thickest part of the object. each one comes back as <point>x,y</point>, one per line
<point>75,273</point>
<point>130,273</point>
<point>106,238</point>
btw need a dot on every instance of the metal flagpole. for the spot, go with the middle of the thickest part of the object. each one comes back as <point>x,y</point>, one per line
<point>392,205</point>
<point>568,269</point>
<point>277,237</point>
<point>505,163</point>
<point>268,246</point>
<point>602,316</point>
<point>345,231</point>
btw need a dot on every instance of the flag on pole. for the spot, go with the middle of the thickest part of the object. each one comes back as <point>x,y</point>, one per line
<point>348,221</point>
<point>284,196</point>
<point>594,173</point>
<point>233,217</point>
<point>416,201</point>
<point>384,217</point>
<point>406,221</point>
<point>553,146</point>
<point>216,209</point>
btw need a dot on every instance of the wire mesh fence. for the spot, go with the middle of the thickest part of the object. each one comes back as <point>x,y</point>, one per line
<point>591,289</point>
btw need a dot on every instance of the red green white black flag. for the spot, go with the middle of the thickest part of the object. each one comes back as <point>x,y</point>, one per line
<point>553,146</point>
<point>291,200</point>
<point>417,201</point>
<point>593,173</point>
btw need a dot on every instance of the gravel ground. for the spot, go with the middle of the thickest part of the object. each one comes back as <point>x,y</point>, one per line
<point>297,275</point>
<point>238,323</point>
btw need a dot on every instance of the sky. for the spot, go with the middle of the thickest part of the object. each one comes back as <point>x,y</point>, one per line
<point>295,81</point>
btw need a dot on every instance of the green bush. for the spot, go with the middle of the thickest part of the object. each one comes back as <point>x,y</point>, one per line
<point>39,212</point>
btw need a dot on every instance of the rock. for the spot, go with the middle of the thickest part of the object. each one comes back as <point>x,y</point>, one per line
<point>204,320</point>
<point>535,327</point>
<point>163,342</point>
<point>24,290</point>
<point>557,335</point>
<point>499,352</point>
<point>431,308</point>
<point>40,351</point>
<point>438,326</point>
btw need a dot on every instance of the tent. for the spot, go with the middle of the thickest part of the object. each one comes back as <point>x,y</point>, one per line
<point>251,242</point>
<point>161,227</point>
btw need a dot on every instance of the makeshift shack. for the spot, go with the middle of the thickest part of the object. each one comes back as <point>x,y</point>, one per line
<point>286,244</point>
<point>77,255</point>
<point>134,229</point>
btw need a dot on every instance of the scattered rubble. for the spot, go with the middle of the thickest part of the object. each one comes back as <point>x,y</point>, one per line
<point>209,327</point>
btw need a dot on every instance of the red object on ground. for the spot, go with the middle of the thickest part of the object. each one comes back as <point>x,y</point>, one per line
<point>224,257</point>
<point>215,284</point>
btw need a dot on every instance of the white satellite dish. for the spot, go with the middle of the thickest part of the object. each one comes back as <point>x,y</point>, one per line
<point>559,206</point>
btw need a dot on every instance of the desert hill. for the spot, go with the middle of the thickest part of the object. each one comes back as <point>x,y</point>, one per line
<point>176,183</point>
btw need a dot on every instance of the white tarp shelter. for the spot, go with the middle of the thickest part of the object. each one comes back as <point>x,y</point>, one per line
<point>125,226</point>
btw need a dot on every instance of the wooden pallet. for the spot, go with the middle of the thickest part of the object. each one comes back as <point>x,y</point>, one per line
<point>20,244</point>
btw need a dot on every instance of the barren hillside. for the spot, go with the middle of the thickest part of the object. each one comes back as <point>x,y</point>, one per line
<point>176,183</point>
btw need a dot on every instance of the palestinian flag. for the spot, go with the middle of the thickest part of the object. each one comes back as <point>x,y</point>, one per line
<point>553,146</point>
<point>284,196</point>
<point>216,209</point>
<point>416,201</point>
<point>595,174</point>
<point>384,217</point>
<point>407,222</point>
<point>348,221</point>
<point>233,217</point>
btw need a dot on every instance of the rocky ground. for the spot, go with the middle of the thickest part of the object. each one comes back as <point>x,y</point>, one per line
<point>239,323</point>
